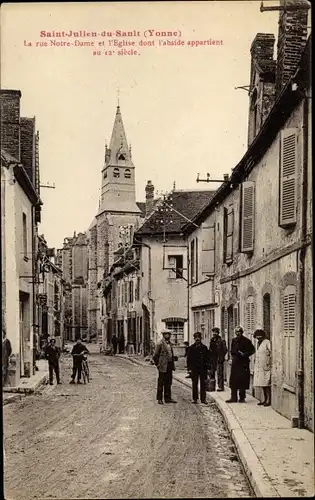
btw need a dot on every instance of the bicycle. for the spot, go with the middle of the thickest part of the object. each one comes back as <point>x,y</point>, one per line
<point>85,369</point>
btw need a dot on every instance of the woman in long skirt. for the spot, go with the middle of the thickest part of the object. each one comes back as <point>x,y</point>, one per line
<point>262,369</point>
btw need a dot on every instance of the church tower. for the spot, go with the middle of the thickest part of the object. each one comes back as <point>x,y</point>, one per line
<point>118,192</point>
<point>118,216</point>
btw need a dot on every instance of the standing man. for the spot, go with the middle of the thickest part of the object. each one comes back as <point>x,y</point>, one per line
<point>52,354</point>
<point>241,350</point>
<point>198,365</point>
<point>218,352</point>
<point>186,344</point>
<point>35,351</point>
<point>164,360</point>
<point>114,342</point>
<point>77,352</point>
<point>6,353</point>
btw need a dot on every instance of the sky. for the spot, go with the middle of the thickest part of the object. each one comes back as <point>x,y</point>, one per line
<point>181,112</point>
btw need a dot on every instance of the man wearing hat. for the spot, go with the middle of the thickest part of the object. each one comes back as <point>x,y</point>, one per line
<point>198,365</point>
<point>52,354</point>
<point>164,360</point>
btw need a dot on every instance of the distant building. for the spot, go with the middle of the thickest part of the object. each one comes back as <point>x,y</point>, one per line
<point>72,259</point>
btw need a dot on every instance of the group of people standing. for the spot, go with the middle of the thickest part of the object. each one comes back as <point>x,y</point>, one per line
<point>204,363</point>
<point>52,354</point>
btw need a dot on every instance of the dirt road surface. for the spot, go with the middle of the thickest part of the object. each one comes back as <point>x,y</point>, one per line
<point>110,439</point>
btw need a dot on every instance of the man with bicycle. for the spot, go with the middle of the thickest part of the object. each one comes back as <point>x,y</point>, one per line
<point>77,353</point>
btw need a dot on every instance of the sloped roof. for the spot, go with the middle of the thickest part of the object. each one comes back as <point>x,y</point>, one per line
<point>141,205</point>
<point>93,224</point>
<point>186,204</point>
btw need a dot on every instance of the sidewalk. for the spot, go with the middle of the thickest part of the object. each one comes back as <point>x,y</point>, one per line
<point>27,385</point>
<point>278,459</point>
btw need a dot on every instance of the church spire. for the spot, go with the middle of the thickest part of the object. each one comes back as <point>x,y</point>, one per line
<point>118,146</point>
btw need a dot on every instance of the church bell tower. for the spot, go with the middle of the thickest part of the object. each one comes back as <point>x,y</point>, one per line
<point>118,193</point>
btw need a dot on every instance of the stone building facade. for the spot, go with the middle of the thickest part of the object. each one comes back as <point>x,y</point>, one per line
<point>257,230</point>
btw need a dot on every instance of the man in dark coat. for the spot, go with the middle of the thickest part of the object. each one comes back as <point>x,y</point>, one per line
<point>114,343</point>
<point>241,350</point>
<point>164,361</point>
<point>77,353</point>
<point>52,354</point>
<point>186,344</point>
<point>6,353</point>
<point>217,350</point>
<point>198,365</point>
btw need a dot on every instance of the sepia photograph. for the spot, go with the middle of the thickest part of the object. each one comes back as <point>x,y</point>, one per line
<point>156,248</point>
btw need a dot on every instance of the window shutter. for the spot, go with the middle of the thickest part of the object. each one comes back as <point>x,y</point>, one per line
<point>289,340</point>
<point>289,311</point>
<point>248,213</point>
<point>208,250</point>
<point>197,259</point>
<point>288,176</point>
<point>229,235</point>
<point>236,319</point>
<point>192,261</point>
<point>250,315</point>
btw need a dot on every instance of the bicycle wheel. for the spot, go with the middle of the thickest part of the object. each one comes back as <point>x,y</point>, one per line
<point>84,374</point>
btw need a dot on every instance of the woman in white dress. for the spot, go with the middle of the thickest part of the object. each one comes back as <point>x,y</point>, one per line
<point>262,369</point>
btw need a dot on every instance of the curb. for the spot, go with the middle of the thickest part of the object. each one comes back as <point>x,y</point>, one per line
<point>13,398</point>
<point>27,390</point>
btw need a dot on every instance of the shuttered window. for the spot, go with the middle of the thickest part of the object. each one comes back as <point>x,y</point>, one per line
<point>192,262</point>
<point>248,214</point>
<point>288,177</point>
<point>250,325</point>
<point>126,293</point>
<point>197,259</point>
<point>289,334</point>
<point>224,322</point>
<point>228,225</point>
<point>250,315</point>
<point>208,250</point>
<point>236,316</point>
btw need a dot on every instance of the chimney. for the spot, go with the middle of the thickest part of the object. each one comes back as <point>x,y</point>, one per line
<point>10,122</point>
<point>262,47</point>
<point>292,35</point>
<point>262,82</point>
<point>27,132</point>
<point>149,198</point>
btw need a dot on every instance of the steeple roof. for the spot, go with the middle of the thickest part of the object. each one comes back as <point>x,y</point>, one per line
<point>118,143</point>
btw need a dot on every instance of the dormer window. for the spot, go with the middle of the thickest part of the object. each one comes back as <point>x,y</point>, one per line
<point>116,172</point>
<point>127,173</point>
<point>122,156</point>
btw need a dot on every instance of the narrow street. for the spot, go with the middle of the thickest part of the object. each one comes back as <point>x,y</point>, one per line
<point>109,439</point>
